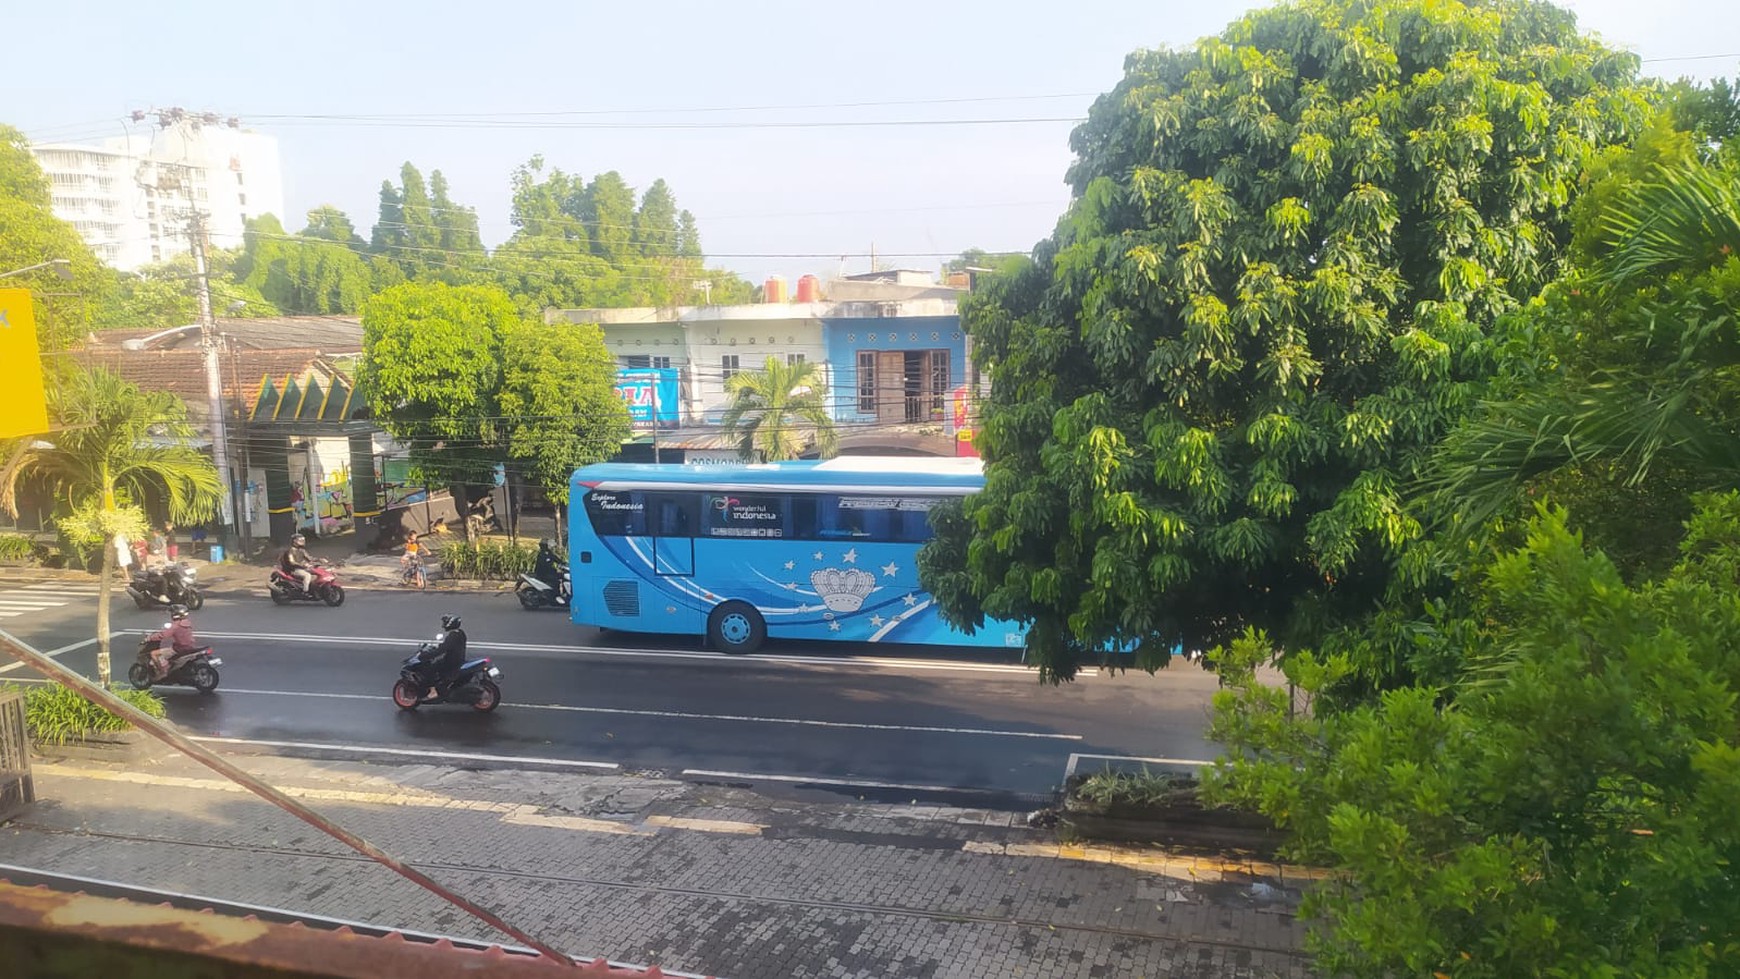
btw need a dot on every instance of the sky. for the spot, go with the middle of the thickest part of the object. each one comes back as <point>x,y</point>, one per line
<point>755,113</point>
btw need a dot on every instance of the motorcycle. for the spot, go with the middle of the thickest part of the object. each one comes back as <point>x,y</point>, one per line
<point>474,684</point>
<point>285,588</point>
<point>171,584</point>
<point>535,593</point>
<point>196,668</point>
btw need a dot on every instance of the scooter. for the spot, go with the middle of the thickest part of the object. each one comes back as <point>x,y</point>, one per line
<point>195,668</point>
<point>474,685</point>
<point>535,593</point>
<point>285,588</point>
<point>171,584</point>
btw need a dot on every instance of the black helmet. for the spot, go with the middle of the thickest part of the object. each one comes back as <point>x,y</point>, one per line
<point>547,544</point>
<point>449,622</point>
<point>177,613</point>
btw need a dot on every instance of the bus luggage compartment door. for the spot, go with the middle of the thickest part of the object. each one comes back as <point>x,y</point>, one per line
<point>674,519</point>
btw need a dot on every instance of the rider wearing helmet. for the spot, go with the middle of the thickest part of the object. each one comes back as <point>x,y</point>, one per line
<point>549,566</point>
<point>294,561</point>
<point>176,638</point>
<point>443,659</point>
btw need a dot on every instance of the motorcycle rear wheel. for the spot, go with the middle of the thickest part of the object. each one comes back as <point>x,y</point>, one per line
<point>488,696</point>
<point>139,675</point>
<point>407,695</point>
<point>333,596</point>
<point>203,677</point>
<point>530,598</point>
<point>279,598</point>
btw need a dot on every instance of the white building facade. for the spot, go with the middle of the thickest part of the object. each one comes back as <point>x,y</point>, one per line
<point>130,197</point>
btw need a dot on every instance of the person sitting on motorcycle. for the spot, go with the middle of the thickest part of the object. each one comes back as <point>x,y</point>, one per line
<point>549,566</point>
<point>443,659</point>
<point>295,562</point>
<point>177,638</point>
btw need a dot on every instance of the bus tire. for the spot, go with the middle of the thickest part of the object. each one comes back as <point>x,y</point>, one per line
<point>736,628</point>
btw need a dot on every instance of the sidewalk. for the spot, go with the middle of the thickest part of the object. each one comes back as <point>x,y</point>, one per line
<point>691,878</point>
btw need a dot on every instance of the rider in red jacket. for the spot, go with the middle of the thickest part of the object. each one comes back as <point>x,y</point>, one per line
<point>177,638</point>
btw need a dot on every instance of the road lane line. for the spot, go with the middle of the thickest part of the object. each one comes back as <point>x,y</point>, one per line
<point>812,780</point>
<point>409,752</point>
<point>877,662</point>
<point>689,716</point>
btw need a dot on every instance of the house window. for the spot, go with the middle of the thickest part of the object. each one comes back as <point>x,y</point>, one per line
<point>241,198</point>
<point>633,361</point>
<point>792,360</point>
<point>867,381</point>
<point>728,366</point>
<point>238,178</point>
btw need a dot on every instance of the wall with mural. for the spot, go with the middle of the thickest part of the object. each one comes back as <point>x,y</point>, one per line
<point>320,486</point>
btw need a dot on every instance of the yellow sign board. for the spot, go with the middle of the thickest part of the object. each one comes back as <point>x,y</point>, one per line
<point>23,406</point>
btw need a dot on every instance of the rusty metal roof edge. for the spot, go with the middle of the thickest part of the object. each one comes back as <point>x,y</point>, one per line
<point>98,887</point>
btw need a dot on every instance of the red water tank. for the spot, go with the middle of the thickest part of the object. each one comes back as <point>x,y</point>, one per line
<point>809,289</point>
<point>773,291</point>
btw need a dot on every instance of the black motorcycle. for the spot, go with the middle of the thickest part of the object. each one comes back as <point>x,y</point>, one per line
<point>535,593</point>
<point>165,585</point>
<point>196,668</point>
<point>474,684</point>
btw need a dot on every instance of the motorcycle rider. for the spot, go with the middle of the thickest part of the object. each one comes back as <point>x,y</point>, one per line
<point>549,566</point>
<point>443,659</point>
<point>176,639</point>
<point>296,562</point>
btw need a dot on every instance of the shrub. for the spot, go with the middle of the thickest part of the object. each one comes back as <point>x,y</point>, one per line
<point>16,547</point>
<point>487,560</point>
<point>57,714</point>
<point>1108,790</point>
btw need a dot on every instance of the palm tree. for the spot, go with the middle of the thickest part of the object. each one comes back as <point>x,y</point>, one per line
<point>1666,401</point>
<point>114,443</point>
<point>779,411</point>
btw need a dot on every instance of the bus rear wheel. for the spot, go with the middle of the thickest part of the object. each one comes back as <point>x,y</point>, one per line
<point>736,628</point>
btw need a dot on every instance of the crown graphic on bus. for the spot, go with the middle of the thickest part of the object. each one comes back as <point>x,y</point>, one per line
<point>843,591</point>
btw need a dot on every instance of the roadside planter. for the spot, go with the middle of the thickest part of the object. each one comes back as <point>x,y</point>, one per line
<point>63,724</point>
<point>1164,809</point>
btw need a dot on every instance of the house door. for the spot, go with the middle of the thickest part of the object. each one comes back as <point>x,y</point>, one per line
<point>891,386</point>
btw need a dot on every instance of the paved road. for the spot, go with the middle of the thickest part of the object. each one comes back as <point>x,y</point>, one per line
<point>872,721</point>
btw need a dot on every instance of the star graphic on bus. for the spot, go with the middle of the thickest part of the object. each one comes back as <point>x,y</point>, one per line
<point>790,565</point>
<point>910,599</point>
<point>817,555</point>
<point>876,620</point>
<point>850,557</point>
<point>889,569</point>
<point>833,627</point>
<point>791,586</point>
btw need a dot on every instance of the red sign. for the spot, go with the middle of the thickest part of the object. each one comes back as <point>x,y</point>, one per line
<point>961,407</point>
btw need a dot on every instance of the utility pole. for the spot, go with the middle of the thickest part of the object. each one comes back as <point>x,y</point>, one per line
<point>210,342</point>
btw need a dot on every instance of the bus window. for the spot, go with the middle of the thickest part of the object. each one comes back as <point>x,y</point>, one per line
<point>673,514</point>
<point>616,514</point>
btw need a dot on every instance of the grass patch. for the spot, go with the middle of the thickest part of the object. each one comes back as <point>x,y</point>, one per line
<point>17,547</point>
<point>1109,791</point>
<point>58,715</point>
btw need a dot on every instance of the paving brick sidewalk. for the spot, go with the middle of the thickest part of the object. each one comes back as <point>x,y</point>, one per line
<point>693,878</point>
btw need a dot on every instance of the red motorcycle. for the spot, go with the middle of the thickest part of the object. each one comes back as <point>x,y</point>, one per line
<point>286,588</point>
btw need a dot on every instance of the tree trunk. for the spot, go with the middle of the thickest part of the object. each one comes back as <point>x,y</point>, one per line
<point>103,588</point>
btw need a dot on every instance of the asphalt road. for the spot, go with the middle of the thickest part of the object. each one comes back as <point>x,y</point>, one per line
<point>927,723</point>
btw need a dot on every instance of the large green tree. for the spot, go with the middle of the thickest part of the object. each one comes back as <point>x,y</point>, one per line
<point>1268,300</point>
<point>303,275</point>
<point>114,447</point>
<point>30,234</point>
<point>559,405</point>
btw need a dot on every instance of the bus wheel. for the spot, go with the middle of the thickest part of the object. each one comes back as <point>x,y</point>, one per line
<point>736,627</point>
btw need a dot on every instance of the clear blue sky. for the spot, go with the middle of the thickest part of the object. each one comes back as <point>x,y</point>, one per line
<point>75,69</point>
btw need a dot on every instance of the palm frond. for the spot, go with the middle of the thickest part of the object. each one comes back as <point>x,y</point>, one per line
<point>1688,217</point>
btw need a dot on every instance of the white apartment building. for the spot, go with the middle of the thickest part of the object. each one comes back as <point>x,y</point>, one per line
<point>130,196</point>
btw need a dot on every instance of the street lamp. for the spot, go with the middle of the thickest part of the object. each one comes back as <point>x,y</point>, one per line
<point>61,266</point>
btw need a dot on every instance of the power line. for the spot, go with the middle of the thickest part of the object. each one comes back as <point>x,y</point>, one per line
<point>958,100</point>
<point>694,126</point>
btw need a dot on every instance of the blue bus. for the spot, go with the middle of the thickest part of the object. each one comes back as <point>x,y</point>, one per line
<point>789,550</point>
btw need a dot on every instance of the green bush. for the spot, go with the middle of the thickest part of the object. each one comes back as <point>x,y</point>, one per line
<point>1108,790</point>
<point>16,547</point>
<point>57,714</point>
<point>488,560</point>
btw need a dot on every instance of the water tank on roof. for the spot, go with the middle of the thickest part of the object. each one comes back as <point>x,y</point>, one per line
<point>773,291</point>
<point>809,289</point>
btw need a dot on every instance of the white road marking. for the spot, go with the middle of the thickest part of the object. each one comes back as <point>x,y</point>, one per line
<point>762,659</point>
<point>809,780</point>
<point>687,716</point>
<point>69,647</point>
<point>409,752</point>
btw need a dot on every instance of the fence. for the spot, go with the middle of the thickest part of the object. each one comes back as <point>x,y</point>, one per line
<point>17,789</point>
